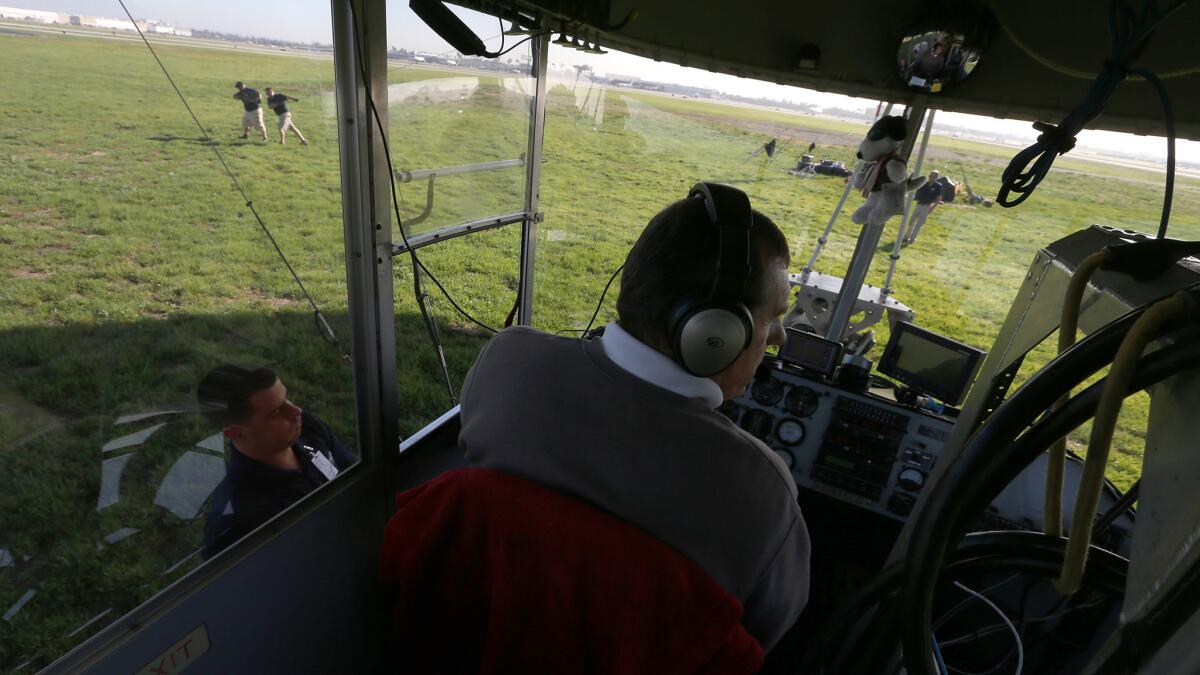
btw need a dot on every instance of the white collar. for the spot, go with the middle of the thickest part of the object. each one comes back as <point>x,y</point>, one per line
<point>649,364</point>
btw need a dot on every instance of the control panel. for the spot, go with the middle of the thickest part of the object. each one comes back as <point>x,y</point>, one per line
<point>858,448</point>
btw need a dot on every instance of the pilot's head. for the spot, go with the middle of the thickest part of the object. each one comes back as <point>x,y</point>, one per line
<point>251,407</point>
<point>676,257</point>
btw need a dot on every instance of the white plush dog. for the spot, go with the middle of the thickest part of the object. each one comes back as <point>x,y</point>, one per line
<point>883,178</point>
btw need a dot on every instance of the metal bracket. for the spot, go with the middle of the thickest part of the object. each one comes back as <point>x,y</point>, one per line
<point>816,293</point>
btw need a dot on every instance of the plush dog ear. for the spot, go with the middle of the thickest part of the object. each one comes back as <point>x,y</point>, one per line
<point>889,126</point>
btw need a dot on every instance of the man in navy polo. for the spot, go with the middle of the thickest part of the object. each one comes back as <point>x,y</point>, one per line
<point>277,453</point>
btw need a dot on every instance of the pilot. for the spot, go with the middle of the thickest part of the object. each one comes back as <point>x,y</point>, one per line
<point>620,422</point>
<point>277,453</point>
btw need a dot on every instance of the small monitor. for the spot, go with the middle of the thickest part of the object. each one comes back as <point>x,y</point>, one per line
<point>930,363</point>
<point>810,351</point>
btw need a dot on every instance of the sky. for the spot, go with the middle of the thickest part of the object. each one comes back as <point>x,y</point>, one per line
<point>309,21</point>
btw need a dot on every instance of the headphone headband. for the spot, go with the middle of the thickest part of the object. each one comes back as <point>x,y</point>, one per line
<point>729,212</point>
<point>708,333</point>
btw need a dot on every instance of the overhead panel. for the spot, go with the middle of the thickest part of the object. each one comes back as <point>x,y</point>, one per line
<point>1039,63</point>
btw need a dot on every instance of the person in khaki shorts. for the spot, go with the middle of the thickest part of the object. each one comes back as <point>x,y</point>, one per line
<point>252,118</point>
<point>278,103</point>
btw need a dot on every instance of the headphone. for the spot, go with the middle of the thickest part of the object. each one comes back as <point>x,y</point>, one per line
<point>709,332</point>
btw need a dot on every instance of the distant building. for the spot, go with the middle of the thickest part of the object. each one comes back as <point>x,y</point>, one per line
<point>34,15</point>
<point>115,24</point>
<point>618,80</point>
<point>170,30</point>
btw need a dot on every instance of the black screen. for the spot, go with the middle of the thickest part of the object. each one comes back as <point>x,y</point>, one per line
<point>810,351</point>
<point>930,363</point>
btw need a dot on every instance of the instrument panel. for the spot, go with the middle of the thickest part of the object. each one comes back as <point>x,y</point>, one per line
<point>857,448</point>
<point>874,453</point>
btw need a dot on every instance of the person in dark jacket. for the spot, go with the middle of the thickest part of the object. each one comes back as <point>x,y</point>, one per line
<point>278,103</point>
<point>927,197</point>
<point>277,453</point>
<point>252,118</point>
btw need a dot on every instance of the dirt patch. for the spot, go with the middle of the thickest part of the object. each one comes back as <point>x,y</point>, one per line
<point>26,273</point>
<point>254,295</point>
<point>776,129</point>
<point>280,303</point>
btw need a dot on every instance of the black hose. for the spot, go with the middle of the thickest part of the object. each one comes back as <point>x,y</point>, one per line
<point>991,460</point>
<point>1033,553</point>
<point>1118,508</point>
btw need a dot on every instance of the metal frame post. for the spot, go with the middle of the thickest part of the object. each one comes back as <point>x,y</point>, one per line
<point>533,178</point>
<point>837,210</point>
<point>367,216</point>
<point>895,256</point>
<point>864,253</point>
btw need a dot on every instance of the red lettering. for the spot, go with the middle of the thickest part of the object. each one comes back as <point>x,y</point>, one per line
<point>184,647</point>
<point>172,661</point>
<point>159,668</point>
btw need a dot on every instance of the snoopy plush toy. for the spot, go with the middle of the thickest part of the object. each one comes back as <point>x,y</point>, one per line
<point>883,176</point>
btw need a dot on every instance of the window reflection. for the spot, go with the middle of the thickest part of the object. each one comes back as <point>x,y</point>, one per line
<point>459,132</point>
<point>459,125</point>
<point>132,269</point>
<point>276,454</point>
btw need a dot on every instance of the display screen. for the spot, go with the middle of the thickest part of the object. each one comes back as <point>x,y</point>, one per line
<point>929,362</point>
<point>810,351</point>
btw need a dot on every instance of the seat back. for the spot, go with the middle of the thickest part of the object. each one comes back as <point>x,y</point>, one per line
<point>492,573</point>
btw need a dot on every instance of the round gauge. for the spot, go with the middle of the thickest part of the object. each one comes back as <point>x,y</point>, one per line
<point>730,410</point>
<point>767,392</point>
<point>802,401</point>
<point>790,432</point>
<point>757,423</point>
<point>786,456</point>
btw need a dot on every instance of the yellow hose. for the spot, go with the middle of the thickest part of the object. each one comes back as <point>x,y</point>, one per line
<point>1066,337</point>
<point>1120,376</point>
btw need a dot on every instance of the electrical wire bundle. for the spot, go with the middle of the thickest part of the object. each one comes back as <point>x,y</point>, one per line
<point>1130,34</point>
<point>999,450</point>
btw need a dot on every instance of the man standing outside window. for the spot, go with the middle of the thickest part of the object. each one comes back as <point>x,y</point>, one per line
<point>278,103</point>
<point>927,197</point>
<point>253,116</point>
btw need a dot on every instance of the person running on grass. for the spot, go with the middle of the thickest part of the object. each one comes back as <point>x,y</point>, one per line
<point>253,117</point>
<point>278,103</point>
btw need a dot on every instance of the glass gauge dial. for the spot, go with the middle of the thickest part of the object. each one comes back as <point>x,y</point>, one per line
<point>767,392</point>
<point>802,401</point>
<point>790,432</point>
<point>730,410</point>
<point>757,423</point>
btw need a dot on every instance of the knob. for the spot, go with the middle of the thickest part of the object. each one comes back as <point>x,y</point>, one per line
<point>900,504</point>
<point>910,479</point>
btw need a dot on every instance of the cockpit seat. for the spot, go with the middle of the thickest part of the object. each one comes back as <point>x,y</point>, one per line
<point>494,574</point>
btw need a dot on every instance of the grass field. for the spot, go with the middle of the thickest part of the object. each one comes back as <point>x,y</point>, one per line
<point>131,267</point>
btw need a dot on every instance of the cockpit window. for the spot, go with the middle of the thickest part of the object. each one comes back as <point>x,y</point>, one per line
<point>132,268</point>
<point>459,125</point>
<point>627,136</point>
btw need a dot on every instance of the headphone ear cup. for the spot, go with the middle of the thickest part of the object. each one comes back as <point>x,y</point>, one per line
<point>708,337</point>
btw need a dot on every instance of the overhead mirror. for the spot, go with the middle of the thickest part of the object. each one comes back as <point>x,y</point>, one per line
<point>934,61</point>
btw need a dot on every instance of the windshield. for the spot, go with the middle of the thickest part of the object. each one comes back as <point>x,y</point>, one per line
<point>132,269</point>
<point>626,136</point>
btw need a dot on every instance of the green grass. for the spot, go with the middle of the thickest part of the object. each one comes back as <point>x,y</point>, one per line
<point>131,266</point>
